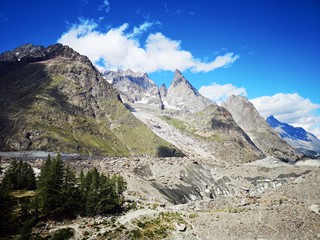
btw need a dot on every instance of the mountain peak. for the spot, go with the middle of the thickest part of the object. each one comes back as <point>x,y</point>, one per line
<point>177,73</point>
<point>289,130</point>
<point>131,73</point>
<point>249,119</point>
<point>295,136</point>
<point>273,122</point>
<point>29,53</point>
<point>181,94</point>
<point>178,78</point>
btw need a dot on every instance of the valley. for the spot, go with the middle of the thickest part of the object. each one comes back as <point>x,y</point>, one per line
<point>195,198</point>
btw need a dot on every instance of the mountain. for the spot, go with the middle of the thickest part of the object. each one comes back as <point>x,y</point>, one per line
<point>297,137</point>
<point>259,131</point>
<point>182,95</point>
<point>135,87</point>
<point>191,122</point>
<point>54,99</point>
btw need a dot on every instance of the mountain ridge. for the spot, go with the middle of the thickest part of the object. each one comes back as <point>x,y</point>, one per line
<point>297,137</point>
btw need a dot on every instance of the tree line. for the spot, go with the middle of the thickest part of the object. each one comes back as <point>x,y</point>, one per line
<point>58,194</point>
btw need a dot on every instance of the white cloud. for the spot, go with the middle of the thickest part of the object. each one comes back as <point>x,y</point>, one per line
<point>120,48</point>
<point>105,6</point>
<point>290,108</point>
<point>219,93</point>
<point>137,31</point>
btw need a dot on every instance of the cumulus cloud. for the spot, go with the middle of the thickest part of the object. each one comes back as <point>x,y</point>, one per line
<point>219,93</point>
<point>290,108</point>
<point>120,48</point>
<point>105,6</point>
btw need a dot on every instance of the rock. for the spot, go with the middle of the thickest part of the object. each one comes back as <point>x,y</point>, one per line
<point>181,227</point>
<point>314,208</point>
<point>244,202</point>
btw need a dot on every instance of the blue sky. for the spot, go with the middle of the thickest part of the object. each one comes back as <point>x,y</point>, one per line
<point>268,51</point>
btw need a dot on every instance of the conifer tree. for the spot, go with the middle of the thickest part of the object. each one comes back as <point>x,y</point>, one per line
<point>70,193</point>
<point>50,187</point>
<point>19,176</point>
<point>6,203</point>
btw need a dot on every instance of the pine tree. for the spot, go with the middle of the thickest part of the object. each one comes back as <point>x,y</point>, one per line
<point>10,180</point>
<point>6,204</point>
<point>19,176</point>
<point>70,193</point>
<point>101,193</point>
<point>50,187</point>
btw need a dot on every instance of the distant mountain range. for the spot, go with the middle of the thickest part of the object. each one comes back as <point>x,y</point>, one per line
<point>295,136</point>
<point>54,99</point>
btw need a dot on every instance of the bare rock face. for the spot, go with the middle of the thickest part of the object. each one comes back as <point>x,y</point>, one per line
<point>182,95</point>
<point>260,132</point>
<point>135,87</point>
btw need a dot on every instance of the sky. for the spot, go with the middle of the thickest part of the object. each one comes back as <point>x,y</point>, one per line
<point>268,50</point>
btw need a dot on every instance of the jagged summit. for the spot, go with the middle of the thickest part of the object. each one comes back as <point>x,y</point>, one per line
<point>249,119</point>
<point>181,94</point>
<point>180,79</point>
<point>130,72</point>
<point>297,137</point>
<point>135,87</point>
<point>163,90</point>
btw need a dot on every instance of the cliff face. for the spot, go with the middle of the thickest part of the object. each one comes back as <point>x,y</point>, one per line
<point>54,99</point>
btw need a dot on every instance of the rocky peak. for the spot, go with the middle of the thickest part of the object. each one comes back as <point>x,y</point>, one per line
<point>24,51</point>
<point>163,90</point>
<point>297,137</point>
<point>30,53</point>
<point>180,81</point>
<point>59,50</point>
<point>141,79</point>
<point>243,111</point>
<point>135,87</point>
<point>259,131</point>
<point>132,73</point>
<point>181,94</point>
<point>273,122</point>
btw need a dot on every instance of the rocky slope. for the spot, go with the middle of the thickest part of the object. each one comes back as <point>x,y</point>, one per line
<point>182,198</point>
<point>297,137</point>
<point>54,99</point>
<point>259,131</point>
